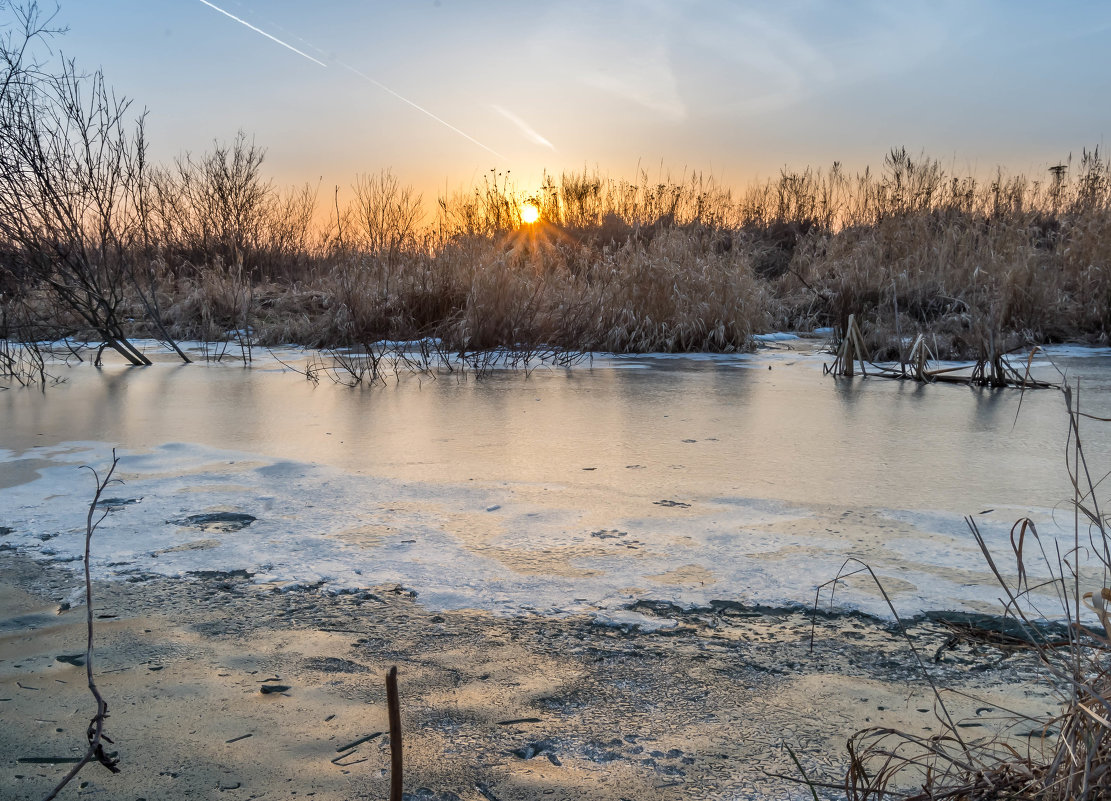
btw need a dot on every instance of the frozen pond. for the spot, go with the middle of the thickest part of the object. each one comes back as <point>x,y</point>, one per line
<point>745,478</point>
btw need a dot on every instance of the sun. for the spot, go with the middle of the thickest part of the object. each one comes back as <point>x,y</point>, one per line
<point>530,213</point>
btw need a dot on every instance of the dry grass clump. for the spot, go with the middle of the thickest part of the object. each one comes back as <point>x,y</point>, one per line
<point>1069,755</point>
<point>673,294</point>
<point>955,257</point>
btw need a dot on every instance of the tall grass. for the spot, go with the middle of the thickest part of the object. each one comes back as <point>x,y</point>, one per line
<point>624,265</point>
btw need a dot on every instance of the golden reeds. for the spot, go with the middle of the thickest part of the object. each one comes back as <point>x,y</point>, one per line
<point>915,254</point>
<point>682,265</point>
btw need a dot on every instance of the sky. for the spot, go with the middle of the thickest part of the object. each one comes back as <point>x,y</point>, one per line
<point>442,91</point>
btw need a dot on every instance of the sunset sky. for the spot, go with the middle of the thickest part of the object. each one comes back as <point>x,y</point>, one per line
<point>443,90</point>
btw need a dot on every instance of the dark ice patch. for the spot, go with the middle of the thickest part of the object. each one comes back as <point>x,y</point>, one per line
<point>282,470</point>
<point>601,753</point>
<point>111,504</point>
<point>533,749</point>
<point>221,522</point>
<point>1002,630</point>
<point>220,575</point>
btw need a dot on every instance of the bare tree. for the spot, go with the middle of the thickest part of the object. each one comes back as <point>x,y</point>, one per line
<point>213,207</point>
<point>385,213</point>
<point>71,170</point>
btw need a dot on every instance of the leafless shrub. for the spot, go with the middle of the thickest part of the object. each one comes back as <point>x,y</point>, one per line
<point>69,167</point>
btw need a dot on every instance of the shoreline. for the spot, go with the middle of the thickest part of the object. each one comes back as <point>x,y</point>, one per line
<point>492,706</point>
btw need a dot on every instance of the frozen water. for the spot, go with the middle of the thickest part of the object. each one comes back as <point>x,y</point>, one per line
<point>689,479</point>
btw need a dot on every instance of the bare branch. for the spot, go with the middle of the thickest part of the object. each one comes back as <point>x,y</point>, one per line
<point>95,732</point>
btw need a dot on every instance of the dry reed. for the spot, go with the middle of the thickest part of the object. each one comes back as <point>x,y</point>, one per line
<point>626,266</point>
<point>682,265</point>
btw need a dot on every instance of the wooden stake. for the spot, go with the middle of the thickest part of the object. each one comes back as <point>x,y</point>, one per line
<point>395,735</point>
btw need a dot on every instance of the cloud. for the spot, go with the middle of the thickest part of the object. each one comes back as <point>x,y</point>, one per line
<point>621,49</point>
<point>645,79</point>
<point>758,61</point>
<point>753,58</point>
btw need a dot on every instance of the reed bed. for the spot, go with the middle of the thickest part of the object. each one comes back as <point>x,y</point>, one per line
<point>220,254</point>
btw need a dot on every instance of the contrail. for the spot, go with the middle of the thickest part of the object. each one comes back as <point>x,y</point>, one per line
<point>365,77</point>
<point>264,33</point>
<point>530,133</point>
<point>421,109</point>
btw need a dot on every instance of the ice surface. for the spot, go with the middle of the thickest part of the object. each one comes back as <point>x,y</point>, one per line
<point>544,493</point>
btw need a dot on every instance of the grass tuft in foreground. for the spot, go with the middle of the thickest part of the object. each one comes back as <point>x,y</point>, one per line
<point>1066,757</point>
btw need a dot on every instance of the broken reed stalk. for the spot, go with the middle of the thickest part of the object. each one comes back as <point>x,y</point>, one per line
<point>991,370</point>
<point>852,350</point>
<point>396,763</point>
<point>95,732</point>
<point>918,358</point>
